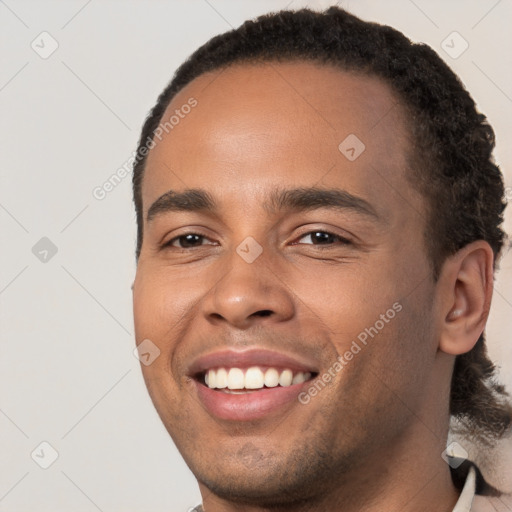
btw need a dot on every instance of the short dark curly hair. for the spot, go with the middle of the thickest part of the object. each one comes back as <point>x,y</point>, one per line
<point>450,159</point>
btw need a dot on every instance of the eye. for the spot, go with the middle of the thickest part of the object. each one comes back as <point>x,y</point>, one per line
<point>191,240</point>
<point>324,238</point>
<point>186,241</point>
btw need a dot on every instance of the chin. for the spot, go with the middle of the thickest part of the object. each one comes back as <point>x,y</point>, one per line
<point>256,489</point>
<point>268,480</point>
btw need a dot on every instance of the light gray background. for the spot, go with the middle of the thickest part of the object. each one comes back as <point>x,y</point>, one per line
<point>67,372</point>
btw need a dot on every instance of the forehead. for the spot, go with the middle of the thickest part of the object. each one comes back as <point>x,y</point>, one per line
<point>274,124</point>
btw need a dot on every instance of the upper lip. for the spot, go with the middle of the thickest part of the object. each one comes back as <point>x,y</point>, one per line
<point>229,358</point>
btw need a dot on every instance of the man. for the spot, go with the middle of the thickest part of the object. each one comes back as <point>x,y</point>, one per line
<point>318,226</point>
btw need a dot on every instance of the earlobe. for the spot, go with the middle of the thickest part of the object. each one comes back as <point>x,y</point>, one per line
<point>467,283</point>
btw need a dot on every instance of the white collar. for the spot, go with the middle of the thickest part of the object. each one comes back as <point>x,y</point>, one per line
<point>468,493</point>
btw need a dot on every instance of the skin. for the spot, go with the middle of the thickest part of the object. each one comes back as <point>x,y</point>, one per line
<point>372,439</point>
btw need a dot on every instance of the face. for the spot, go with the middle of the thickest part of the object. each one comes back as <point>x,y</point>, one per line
<point>294,280</point>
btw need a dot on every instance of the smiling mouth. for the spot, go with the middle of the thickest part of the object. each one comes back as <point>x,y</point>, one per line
<point>253,379</point>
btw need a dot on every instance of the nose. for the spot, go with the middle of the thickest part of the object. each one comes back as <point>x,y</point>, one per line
<point>249,293</point>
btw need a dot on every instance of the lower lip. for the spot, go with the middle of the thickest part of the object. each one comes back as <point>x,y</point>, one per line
<point>248,406</point>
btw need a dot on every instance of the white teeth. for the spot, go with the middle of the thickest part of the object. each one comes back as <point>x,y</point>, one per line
<point>211,379</point>
<point>271,378</point>
<point>286,377</point>
<point>298,378</point>
<point>252,378</point>
<point>221,380</point>
<point>236,379</point>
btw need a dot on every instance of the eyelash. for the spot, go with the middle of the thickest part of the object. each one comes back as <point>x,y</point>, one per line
<point>344,241</point>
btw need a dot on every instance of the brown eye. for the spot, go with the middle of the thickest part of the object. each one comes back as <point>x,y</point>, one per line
<point>186,241</point>
<point>324,238</point>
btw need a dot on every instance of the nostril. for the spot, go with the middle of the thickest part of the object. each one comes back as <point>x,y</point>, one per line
<point>265,312</point>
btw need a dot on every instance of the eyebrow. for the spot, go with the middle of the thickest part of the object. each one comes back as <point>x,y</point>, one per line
<point>296,199</point>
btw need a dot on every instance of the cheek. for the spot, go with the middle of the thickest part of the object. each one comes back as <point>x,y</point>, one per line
<point>349,299</point>
<point>380,330</point>
<point>153,321</point>
<point>163,308</point>
<point>399,359</point>
<point>159,304</point>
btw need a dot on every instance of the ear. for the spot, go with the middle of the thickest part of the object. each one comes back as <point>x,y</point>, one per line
<point>465,285</point>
